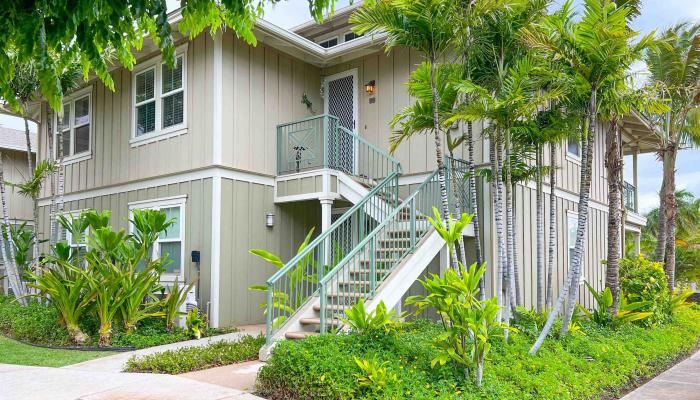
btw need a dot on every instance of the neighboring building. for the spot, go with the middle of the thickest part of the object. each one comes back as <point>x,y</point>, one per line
<point>13,146</point>
<point>232,144</point>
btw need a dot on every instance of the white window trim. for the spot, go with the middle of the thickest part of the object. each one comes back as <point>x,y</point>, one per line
<point>337,41</point>
<point>157,204</point>
<point>574,158</point>
<point>156,63</point>
<point>85,155</point>
<point>345,38</point>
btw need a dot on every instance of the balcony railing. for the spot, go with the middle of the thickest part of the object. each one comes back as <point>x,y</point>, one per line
<point>321,142</point>
<point>630,195</point>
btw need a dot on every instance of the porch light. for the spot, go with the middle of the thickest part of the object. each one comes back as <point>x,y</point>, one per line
<point>370,87</point>
<point>269,220</point>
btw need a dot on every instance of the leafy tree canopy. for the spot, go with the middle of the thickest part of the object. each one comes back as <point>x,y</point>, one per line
<point>53,34</point>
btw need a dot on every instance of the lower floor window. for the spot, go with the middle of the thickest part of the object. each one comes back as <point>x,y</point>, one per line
<point>170,242</point>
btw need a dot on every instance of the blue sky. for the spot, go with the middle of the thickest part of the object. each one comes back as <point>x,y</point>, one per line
<point>656,15</point>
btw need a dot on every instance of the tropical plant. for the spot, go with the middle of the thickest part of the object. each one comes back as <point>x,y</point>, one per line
<point>280,300</point>
<point>452,231</point>
<point>68,291</point>
<point>428,26</point>
<point>141,303</point>
<point>644,280</point>
<point>194,323</point>
<point>594,50</point>
<point>675,68</point>
<point>173,301</point>
<point>627,312</point>
<point>378,320</point>
<point>470,324</point>
<point>374,374</point>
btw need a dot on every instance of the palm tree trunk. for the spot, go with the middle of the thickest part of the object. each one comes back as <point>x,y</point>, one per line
<point>35,201</point>
<point>572,278</point>
<point>438,153</point>
<point>474,205</point>
<point>614,170</point>
<point>661,234</point>
<point>13,274</point>
<point>671,212</point>
<point>456,196</point>
<point>52,183</point>
<point>540,230</point>
<point>493,158</point>
<point>510,235</point>
<point>584,195</point>
<point>551,256</point>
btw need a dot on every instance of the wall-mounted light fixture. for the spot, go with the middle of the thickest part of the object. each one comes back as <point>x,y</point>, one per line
<point>269,220</point>
<point>371,87</point>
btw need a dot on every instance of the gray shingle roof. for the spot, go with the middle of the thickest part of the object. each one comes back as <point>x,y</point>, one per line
<point>13,139</point>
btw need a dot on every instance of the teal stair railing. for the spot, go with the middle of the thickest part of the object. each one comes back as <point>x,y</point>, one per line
<point>328,145</point>
<point>363,269</point>
<point>457,176</point>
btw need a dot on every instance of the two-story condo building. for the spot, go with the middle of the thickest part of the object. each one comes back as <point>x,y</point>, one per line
<point>252,146</point>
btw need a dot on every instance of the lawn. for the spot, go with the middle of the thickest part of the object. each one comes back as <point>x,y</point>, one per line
<point>13,352</point>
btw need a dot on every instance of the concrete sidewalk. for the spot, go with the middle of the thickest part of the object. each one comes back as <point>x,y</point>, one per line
<point>18,382</point>
<point>681,382</point>
<point>117,362</point>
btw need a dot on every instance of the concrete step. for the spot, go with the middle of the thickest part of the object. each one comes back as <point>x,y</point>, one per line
<point>299,335</point>
<point>317,321</point>
<point>330,307</point>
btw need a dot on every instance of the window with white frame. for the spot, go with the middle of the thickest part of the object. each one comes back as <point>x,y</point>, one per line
<point>352,36</point>
<point>328,43</point>
<point>170,242</point>
<point>78,244</point>
<point>573,147</point>
<point>572,229</point>
<point>159,98</point>
<point>74,126</point>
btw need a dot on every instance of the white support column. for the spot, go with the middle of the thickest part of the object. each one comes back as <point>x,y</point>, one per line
<point>217,131</point>
<point>326,212</point>
<point>635,178</point>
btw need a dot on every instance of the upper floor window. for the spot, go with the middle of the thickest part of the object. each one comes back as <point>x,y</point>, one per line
<point>351,36</point>
<point>159,98</point>
<point>573,147</point>
<point>329,42</point>
<point>72,138</point>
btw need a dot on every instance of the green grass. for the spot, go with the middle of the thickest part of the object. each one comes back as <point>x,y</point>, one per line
<point>189,359</point>
<point>13,352</point>
<point>597,363</point>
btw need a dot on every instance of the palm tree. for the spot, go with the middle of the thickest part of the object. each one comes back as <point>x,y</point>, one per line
<point>425,25</point>
<point>675,66</point>
<point>594,49</point>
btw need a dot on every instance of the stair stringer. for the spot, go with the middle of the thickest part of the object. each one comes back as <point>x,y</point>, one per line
<point>355,192</point>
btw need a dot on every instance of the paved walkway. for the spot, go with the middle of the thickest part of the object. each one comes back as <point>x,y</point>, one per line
<point>117,362</point>
<point>18,382</point>
<point>681,382</point>
<point>240,376</point>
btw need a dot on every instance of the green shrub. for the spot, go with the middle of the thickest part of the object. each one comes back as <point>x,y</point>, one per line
<point>601,363</point>
<point>195,358</point>
<point>34,323</point>
<point>378,321</point>
<point>644,280</point>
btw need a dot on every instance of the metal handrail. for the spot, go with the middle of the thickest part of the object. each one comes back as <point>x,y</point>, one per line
<point>417,206</point>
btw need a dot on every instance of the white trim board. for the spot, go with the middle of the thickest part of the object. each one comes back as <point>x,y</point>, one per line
<point>205,173</point>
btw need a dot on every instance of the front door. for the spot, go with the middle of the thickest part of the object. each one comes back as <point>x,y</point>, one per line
<point>341,102</point>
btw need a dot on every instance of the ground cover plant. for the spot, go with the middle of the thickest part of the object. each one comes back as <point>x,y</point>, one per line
<point>13,352</point>
<point>40,324</point>
<point>196,358</point>
<point>593,362</point>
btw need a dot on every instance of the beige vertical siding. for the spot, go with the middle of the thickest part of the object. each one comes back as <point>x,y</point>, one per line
<point>243,210</point>
<point>16,170</point>
<point>262,88</point>
<point>113,159</point>
<point>197,221</point>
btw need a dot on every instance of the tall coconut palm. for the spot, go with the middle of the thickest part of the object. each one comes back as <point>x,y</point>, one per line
<point>593,49</point>
<point>676,67</point>
<point>425,25</point>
